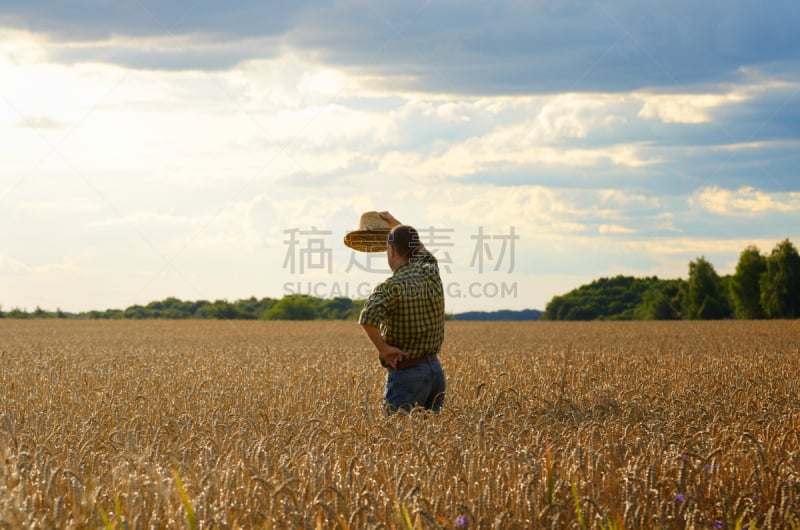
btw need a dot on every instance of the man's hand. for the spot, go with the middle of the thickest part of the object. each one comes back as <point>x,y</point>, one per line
<point>389,218</point>
<point>391,354</point>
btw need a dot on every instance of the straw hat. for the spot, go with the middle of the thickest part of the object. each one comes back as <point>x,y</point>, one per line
<point>371,234</point>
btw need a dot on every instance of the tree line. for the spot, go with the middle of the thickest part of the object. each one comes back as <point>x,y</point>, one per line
<point>291,307</point>
<point>763,286</point>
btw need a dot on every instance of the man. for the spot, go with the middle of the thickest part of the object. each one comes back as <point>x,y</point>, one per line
<point>404,319</point>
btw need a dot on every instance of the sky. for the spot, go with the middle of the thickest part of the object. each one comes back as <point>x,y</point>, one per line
<point>221,150</point>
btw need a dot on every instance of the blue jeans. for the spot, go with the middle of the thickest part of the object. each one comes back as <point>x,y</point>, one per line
<point>422,385</point>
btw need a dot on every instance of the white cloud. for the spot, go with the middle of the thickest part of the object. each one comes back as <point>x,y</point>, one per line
<point>150,218</point>
<point>744,201</point>
<point>664,222</point>
<point>627,198</point>
<point>683,108</point>
<point>694,246</point>
<point>19,47</point>
<point>696,107</point>
<point>290,83</point>
<point>39,122</point>
<point>576,115</point>
<point>758,146</point>
<point>545,211</point>
<point>11,266</point>
<point>52,206</point>
<point>615,229</point>
<point>508,149</point>
<point>527,132</point>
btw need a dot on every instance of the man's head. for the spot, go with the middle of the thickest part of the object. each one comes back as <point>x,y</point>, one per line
<point>403,243</point>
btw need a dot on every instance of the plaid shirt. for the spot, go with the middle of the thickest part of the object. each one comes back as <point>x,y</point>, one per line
<point>408,307</point>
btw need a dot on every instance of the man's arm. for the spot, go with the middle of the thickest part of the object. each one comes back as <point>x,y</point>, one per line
<point>388,353</point>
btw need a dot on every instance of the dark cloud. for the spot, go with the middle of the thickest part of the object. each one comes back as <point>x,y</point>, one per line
<point>771,118</point>
<point>88,20</point>
<point>479,47</point>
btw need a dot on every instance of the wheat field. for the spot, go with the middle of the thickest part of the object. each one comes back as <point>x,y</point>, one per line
<point>197,424</point>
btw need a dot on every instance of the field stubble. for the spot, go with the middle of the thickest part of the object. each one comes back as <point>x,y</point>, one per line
<point>179,424</point>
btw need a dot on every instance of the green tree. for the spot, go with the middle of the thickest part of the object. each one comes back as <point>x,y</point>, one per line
<point>249,307</point>
<point>175,308</point>
<point>745,284</point>
<point>293,307</point>
<point>254,308</point>
<point>704,294</point>
<point>108,314</point>
<point>614,298</point>
<point>339,308</point>
<point>170,307</point>
<point>221,309</point>
<point>661,302</point>
<point>780,283</point>
<point>18,313</point>
<point>136,312</point>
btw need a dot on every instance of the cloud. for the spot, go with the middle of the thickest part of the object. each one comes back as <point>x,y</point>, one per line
<point>548,212</point>
<point>10,266</point>
<point>39,122</point>
<point>468,48</point>
<point>615,229</point>
<point>168,52</point>
<point>745,201</point>
<point>683,108</point>
<point>58,207</point>
<point>148,218</point>
<point>65,21</point>
<point>684,245</point>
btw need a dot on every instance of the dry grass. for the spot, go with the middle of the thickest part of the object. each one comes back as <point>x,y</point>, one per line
<point>276,425</point>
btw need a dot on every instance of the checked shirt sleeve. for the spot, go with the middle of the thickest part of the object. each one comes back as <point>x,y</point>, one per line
<point>376,308</point>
